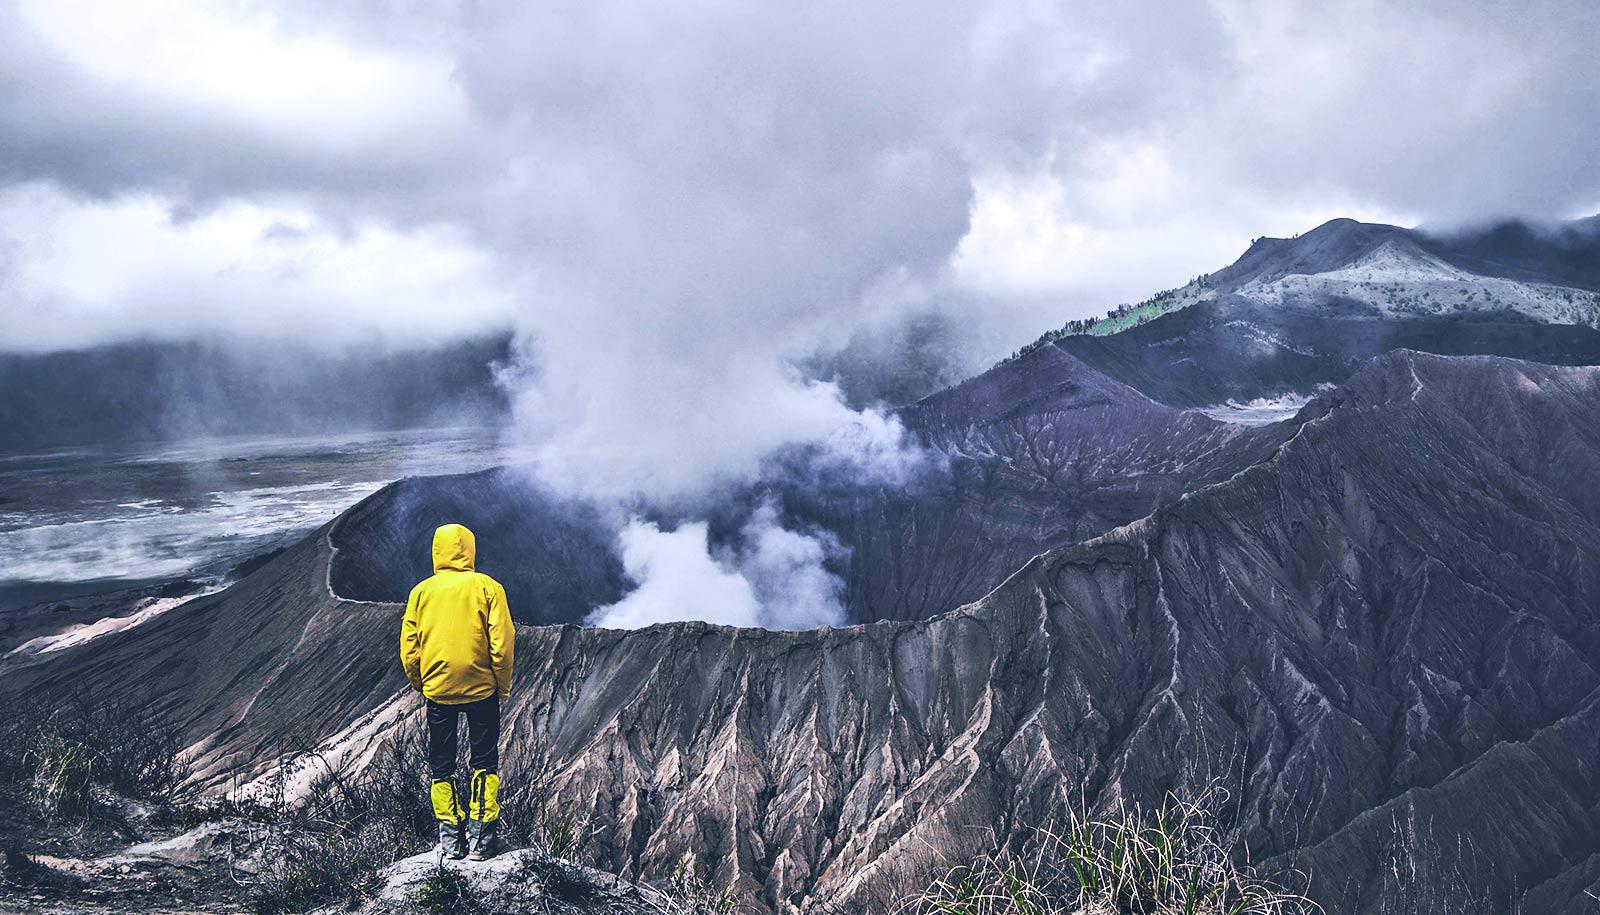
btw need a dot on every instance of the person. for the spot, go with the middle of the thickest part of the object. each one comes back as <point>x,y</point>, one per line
<point>457,645</point>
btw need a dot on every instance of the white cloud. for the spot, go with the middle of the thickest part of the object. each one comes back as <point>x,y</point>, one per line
<point>1276,117</point>
<point>84,272</point>
<point>770,577</point>
<point>248,66</point>
<point>870,447</point>
<point>787,571</point>
<point>1051,247</point>
<point>676,579</point>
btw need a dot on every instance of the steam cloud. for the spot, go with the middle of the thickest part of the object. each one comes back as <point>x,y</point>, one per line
<point>773,578</point>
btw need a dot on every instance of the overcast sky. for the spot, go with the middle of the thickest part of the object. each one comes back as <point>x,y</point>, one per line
<point>176,167</point>
<point>673,202</point>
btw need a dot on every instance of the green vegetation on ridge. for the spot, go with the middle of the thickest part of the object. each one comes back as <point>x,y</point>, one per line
<point>1124,316</point>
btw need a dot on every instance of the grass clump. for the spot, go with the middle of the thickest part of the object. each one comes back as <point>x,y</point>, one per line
<point>1173,860</point>
<point>529,820</point>
<point>64,761</point>
<point>688,892</point>
<point>62,779</point>
<point>313,869</point>
<point>447,891</point>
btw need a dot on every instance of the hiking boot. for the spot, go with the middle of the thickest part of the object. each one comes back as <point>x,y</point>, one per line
<point>452,844</point>
<point>447,810</point>
<point>483,815</point>
<point>484,839</point>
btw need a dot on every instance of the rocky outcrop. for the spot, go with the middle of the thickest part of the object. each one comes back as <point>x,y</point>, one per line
<point>526,880</point>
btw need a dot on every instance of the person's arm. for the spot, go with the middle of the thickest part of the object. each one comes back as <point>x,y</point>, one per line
<point>410,651</point>
<point>502,640</point>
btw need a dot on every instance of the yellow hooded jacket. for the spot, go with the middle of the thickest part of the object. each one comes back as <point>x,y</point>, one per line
<point>457,640</point>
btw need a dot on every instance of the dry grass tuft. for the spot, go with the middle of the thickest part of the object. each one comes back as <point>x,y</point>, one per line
<point>69,758</point>
<point>1172,860</point>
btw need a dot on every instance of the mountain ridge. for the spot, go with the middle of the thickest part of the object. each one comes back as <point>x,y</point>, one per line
<point>1559,259</point>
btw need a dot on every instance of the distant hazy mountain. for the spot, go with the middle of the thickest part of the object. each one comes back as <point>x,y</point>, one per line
<point>1294,314</point>
<point>164,391</point>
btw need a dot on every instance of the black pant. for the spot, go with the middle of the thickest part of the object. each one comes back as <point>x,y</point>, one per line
<point>483,735</point>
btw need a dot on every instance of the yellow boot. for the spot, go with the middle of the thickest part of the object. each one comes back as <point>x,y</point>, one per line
<point>447,810</point>
<point>483,815</point>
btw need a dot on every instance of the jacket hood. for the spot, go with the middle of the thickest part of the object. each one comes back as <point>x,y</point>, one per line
<point>454,549</point>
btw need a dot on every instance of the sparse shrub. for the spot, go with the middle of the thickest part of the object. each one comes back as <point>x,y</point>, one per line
<point>61,755</point>
<point>1170,861</point>
<point>562,836</point>
<point>391,790</point>
<point>529,820</point>
<point>689,893</point>
<point>63,770</point>
<point>215,809</point>
<point>306,870</point>
<point>332,844</point>
<point>446,890</point>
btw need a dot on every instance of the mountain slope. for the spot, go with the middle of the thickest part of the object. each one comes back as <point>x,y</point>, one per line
<point>1294,314</point>
<point>1563,255</point>
<point>1401,278</point>
<point>1384,636</point>
<point>1236,349</point>
<point>1341,624</point>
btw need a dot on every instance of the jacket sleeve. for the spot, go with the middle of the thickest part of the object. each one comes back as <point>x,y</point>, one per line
<point>410,651</point>
<point>502,640</point>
